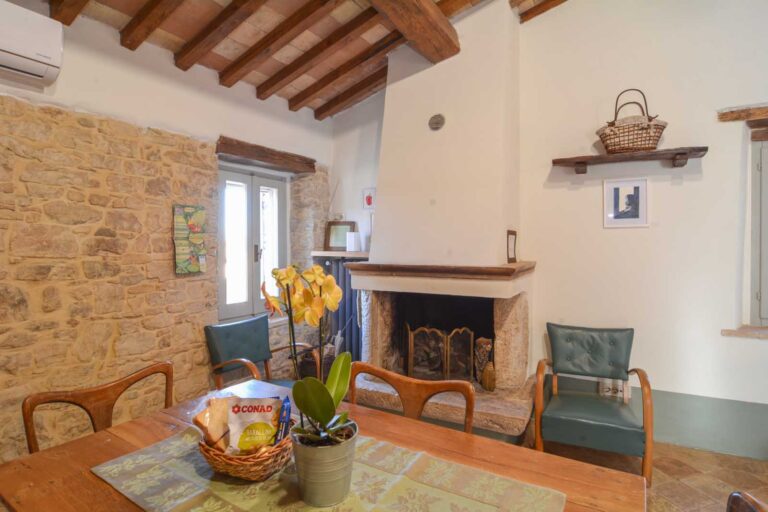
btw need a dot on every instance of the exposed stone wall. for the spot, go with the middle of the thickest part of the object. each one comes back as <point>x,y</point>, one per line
<point>87,285</point>
<point>310,201</point>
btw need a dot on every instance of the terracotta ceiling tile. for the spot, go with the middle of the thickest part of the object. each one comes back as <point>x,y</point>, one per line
<point>190,18</point>
<point>247,34</point>
<point>265,18</point>
<point>230,49</point>
<point>285,7</point>
<point>214,61</point>
<point>325,26</point>
<point>129,7</point>
<point>105,14</point>
<point>346,11</point>
<point>165,40</point>
<point>255,78</point>
<point>375,34</point>
<point>306,40</point>
<point>271,66</point>
<point>287,54</point>
<point>319,102</point>
<point>303,82</point>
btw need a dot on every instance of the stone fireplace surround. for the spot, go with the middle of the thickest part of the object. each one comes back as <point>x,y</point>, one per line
<point>505,410</point>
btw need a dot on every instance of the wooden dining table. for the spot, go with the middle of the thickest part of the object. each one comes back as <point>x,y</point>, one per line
<point>60,478</point>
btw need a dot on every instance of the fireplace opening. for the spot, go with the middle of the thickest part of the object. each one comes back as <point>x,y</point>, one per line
<point>442,336</point>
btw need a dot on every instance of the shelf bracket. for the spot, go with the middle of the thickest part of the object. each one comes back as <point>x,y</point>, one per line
<point>580,167</point>
<point>680,160</point>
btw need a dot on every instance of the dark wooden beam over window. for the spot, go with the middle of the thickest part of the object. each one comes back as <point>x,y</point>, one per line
<point>233,150</point>
<point>341,37</point>
<point>758,123</point>
<point>146,21</point>
<point>424,25</point>
<point>306,16</point>
<point>66,11</point>
<point>760,135</point>
<point>231,17</point>
<point>355,94</point>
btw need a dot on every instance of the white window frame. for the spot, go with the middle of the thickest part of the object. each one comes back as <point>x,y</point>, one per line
<point>759,256</point>
<point>252,177</point>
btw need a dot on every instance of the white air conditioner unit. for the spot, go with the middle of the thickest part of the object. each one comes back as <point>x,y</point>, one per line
<point>31,46</point>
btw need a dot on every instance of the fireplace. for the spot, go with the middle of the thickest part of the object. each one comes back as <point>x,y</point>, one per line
<point>442,336</point>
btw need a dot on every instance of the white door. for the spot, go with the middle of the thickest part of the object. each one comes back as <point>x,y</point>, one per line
<point>253,240</point>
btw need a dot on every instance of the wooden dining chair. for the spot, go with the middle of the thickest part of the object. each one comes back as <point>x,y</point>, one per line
<point>414,393</point>
<point>98,401</point>
<point>246,343</point>
<point>744,502</point>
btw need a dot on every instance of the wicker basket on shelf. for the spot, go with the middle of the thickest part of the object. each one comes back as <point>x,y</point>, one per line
<point>255,467</point>
<point>633,133</point>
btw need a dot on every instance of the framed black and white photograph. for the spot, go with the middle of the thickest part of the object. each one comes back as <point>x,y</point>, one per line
<point>625,203</point>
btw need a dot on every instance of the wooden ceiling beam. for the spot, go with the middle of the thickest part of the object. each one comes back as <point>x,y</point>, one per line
<point>341,37</point>
<point>539,8</point>
<point>306,16</point>
<point>231,17</point>
<point>146,21</point>
<point>760,135</point>
<point>424,25</point>
<point>366,61</point>
<point>758,123</point>
<point>66,11</point>
<point>749,113</point>
<point>363,63</point>
<point>238,151</point>
<point>355,94</point>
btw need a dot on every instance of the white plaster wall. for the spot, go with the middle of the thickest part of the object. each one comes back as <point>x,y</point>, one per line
<point>144,87</point>
<point>356,142</point>
<point>680,281</point>
<point>444,196</point>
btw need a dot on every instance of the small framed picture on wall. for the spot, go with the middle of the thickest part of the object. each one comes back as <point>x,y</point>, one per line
<point>625,203</point>
<point>511,246</point>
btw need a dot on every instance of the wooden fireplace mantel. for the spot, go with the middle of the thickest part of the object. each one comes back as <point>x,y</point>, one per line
<point>494,273</point>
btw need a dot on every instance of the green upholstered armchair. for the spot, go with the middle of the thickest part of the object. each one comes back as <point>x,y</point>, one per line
<point>246,343</point>
<point>588,419</point>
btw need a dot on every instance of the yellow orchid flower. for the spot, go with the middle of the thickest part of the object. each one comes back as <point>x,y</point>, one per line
<point>332,294</point>
<point>314,275</point>
<point>285,276</point>
<point>315,310</point>
<point>271,304</point>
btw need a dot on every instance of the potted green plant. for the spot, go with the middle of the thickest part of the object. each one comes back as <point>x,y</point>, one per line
<point>324,444</point>
<point>324,440</point>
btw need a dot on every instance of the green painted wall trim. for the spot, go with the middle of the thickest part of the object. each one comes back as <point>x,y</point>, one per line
<point>714,424</point>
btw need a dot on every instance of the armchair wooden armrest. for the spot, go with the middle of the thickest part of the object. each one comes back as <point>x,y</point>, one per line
<point>217,377</point>
<point>307,348</point>
<point>645,388</point>
<point>538,402</point>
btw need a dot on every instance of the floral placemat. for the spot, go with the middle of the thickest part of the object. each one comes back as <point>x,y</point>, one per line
<point>172,476</point>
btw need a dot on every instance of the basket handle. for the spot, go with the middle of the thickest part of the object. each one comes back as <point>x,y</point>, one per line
<point>617,108</point>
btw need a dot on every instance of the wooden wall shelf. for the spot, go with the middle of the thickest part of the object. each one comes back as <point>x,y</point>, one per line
<point>678,156</point>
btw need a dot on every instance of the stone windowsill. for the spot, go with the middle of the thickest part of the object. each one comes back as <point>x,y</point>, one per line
<point>747,331</point>
<point>277,322</point>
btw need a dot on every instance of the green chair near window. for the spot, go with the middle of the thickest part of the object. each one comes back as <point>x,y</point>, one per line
<point>586,418</point>
<point>246,343</point>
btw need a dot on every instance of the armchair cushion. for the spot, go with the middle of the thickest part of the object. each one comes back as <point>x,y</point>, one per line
<point>594,422</point>
<point>593,352</point>
<point>247,339</point>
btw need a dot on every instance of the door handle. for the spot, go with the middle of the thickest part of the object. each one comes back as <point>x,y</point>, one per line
<point>256,253</point>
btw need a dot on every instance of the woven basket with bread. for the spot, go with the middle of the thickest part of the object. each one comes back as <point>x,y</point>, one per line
<point>252,448</point>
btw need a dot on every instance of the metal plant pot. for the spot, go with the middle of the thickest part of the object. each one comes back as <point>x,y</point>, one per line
<point>324,472</point>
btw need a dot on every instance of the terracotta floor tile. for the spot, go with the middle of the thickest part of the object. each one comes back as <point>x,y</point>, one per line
<point>739,479</point>
<point>661,504</point>
<point>710,486</point>
<point>674,467</point>
<point>683,496</point>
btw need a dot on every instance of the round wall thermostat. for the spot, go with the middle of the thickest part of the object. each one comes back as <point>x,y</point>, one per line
<point>436,122</point>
